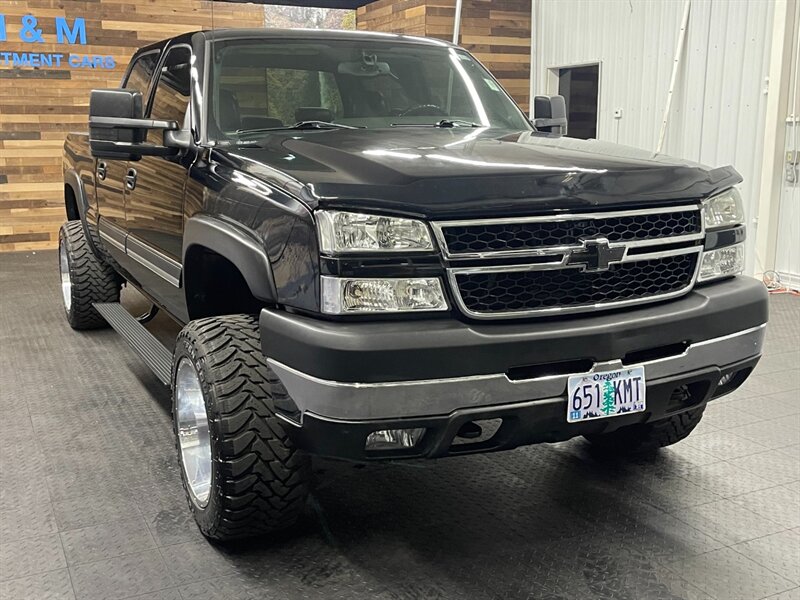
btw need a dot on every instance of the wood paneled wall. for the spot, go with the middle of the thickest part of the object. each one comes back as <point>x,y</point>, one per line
<point>38,106</point>
<point>497,32</point>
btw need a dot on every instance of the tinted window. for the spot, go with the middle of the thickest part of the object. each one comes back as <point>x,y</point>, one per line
<point>141,74</point>
<point>370,83</point>
<point>171,98</point>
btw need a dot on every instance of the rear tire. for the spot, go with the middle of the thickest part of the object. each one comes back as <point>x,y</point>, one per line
<point>647,438</point>
<point>85,279</point>
<point>257,481</point>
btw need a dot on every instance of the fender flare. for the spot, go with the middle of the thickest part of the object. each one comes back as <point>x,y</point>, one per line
<point>73,180</point>
<point>245,252</point>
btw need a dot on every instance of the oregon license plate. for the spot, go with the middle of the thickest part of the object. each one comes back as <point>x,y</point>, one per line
<point>605,394</point>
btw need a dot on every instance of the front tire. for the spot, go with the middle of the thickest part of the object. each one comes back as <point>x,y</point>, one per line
<point>241,473</point>
<point>85,279</point>
<point>647,438</point>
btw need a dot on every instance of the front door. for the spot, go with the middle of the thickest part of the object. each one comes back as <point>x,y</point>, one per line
<point>110,173</point>
<point>154,190</point>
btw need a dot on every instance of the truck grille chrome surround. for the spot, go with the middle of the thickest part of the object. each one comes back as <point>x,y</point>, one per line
<point>575,262</point>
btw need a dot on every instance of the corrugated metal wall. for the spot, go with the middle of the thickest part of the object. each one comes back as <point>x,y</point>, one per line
<point>787,256</point>
<point>718,109</point>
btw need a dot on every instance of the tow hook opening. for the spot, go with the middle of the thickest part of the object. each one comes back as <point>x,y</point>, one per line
<point>476,432</point>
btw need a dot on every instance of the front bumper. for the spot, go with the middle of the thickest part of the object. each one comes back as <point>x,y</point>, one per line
<point>346,380</point>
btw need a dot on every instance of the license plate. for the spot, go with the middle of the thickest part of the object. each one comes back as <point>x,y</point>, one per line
<point>605,394</point>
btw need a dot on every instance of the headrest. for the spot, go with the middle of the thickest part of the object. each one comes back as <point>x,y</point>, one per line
<point>312,113</point>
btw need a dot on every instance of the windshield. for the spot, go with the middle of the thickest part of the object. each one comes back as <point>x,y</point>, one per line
<point>262,85</point>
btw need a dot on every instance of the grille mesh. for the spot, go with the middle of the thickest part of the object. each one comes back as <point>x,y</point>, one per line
<point>539,290</point>
<point>495,237</point>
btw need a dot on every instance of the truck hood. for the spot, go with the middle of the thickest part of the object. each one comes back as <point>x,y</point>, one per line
<point>459,172</point>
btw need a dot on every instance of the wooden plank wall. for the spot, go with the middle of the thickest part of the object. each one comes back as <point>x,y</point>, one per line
<point>497,32</point>
<point>38,106</point>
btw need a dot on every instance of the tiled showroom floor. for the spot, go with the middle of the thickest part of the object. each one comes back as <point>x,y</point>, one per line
<point>91,505</point>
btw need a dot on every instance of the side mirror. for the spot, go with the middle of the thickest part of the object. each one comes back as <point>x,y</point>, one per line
<point>117,129</point>
<point>550,114</point>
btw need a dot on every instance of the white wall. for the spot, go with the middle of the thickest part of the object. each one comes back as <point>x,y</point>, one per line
<point>718,109</point>
<point>787,254</point>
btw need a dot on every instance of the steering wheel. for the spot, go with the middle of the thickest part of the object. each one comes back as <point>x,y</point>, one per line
<point>424,110</point>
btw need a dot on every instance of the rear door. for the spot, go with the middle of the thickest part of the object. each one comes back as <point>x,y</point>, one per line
<point>110,174</point>
<point>154,189</point>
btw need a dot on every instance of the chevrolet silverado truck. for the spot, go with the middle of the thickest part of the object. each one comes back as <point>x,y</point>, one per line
<point>375,255</point>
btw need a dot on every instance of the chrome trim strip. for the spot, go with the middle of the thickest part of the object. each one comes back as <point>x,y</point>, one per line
<point>107,238</point>
<point>161,271</point>
<point>565,310</point>
<point>111,233</point>
<point>401,399</point>
<point>439,226</point>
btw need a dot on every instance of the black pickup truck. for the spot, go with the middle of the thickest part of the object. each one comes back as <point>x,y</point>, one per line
<point>374,254</point>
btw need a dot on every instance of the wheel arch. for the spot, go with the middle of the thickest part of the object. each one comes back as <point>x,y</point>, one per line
<point>204,235</point>
<point>77,207</point>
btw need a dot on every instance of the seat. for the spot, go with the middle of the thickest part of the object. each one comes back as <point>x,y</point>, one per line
<point>228,113</point>
<point>313,113</point>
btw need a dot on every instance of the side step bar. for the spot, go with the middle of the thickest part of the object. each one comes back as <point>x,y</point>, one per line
<point>150,350</point>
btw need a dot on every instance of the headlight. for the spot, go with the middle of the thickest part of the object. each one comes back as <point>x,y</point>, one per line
<point>341,232</point>
<point>345,296</point>
<point>722,262</point>
<point>724,210</point>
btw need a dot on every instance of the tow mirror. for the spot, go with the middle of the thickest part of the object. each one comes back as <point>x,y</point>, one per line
<point>117,129</point>
<point>550,114</point>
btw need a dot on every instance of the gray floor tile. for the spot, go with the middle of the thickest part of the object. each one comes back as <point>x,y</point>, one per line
<point>726,479</point>
<point>169,594</point>
<point>773,465</point>
<point>55,585</point>
<point>788,595</point>
<point>29,520</point>
<point>121,577</point>
<point>724,444</point>
<point>31,556</point>
<point>779,552</point>
<point>108,540</point>
<point>780,504</point>
<point>728,522</point>
<point>727,574</point>
<point>773,433</point>
<point>546,522</point>
<point>195,561</point>
<point>95,509</point>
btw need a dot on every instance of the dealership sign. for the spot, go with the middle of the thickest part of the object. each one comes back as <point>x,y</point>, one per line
<point>73,34</point>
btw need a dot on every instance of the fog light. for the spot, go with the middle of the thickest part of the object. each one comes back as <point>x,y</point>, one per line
<point>722,262</point>
<point>393,439</point>
<point>726,379</point>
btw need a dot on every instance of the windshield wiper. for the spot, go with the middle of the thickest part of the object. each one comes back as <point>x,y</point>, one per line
<point>301,125</point>
<point>444,123</point>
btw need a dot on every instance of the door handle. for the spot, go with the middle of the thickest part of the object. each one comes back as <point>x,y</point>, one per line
<point>130,179</point>
<point>102,170</point>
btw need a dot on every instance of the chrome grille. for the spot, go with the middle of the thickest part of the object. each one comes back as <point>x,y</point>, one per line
<point>525,235</point>
<point>571,263</point>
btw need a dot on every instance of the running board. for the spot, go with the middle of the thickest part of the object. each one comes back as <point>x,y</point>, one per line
<point>150,350</point>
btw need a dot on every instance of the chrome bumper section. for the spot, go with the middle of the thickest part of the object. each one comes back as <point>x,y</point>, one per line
<point>404,399</point>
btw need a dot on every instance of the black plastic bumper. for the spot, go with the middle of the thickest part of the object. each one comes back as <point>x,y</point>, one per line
<point>430,349</point>
<point>347,380</point>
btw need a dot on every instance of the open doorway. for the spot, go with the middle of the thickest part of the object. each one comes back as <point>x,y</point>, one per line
<point>580,86</point>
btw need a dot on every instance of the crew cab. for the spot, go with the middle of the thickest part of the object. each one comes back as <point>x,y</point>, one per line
<point>374,254</point>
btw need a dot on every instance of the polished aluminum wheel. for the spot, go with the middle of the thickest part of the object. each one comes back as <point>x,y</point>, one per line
<point>66,281</point>
<point>193,435</point>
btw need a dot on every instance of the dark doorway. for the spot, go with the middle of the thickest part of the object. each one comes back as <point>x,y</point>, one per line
<point>580,86</point>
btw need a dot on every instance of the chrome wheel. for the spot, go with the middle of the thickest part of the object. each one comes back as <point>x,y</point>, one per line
<point>193,436</point>
<point>66,281</point>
